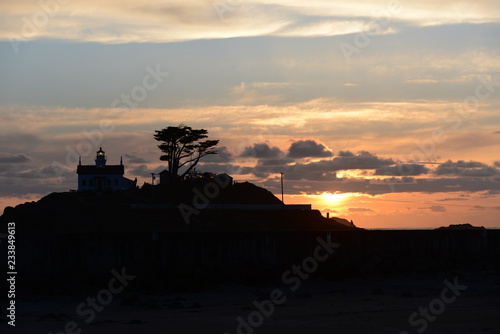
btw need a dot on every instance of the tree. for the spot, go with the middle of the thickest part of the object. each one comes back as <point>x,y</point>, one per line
<point>183,145</point>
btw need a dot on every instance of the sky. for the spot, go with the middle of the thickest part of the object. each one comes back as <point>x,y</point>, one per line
<point>386,113</point>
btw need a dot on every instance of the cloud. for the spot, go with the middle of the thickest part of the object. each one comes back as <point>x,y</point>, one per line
<point>230,169</point>
<point>133,159</point>
<point>466,168</point>
<point>346,154</point>
<point>308,149</point>
<point>241,124</point>
<point>363,160</point>
<point>28,178</point>
<point>223,156</point>
<point>462,164</point>
<point>452,199</point>
<point>422,81</point>
<point>13,158</point>
<point>397,180</point>
<point>437,208</point>
<point>145,171</point>
<point>322,170</point>
<point>258,93</point>
<point>325,27</point>
<point>329,210</point>
<point>305,182</point>
<point>359,210</point>
<point>261,151</point>
<point>125,21</point>
<point>403,170</point>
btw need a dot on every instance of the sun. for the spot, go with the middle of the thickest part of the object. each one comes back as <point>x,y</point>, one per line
<point>336,197</point>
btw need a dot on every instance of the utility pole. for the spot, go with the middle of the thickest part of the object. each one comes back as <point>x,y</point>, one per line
<point>282,194</point>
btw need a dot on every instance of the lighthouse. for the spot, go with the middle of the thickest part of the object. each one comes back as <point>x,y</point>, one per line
<point>102,177</point>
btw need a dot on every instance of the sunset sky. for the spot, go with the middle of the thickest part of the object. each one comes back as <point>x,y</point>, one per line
<point>383,112</point>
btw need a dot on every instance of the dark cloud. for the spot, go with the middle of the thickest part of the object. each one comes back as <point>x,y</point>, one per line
<point>15,171</point>
<point>279,162</point>
<point>396,180</point>
<point>497,163</point>
<point>362,160</point>
<point>223,156</point>
<point>394,185</point>
<point>466,168</point>
<point>403,170</point>
<point>308,149</point>
<point>133,159</point>
<point>230,169</point>
<point>463,164</point>
<point>437,208</point>
<point>12,158</point>
<point>346,154</point>
<point>323,170</point>
<point>312,176</point>
<point>13,168</point>
<point>261,151</point>
<point>144,171</point>
<point>24,179</point>
<point>359,210</point>
<point>443,185</point>
<point>452,199</point>
<point>20,139</point>
<point>44,173</point>
<point>329,210</point>
<point>481,172</point>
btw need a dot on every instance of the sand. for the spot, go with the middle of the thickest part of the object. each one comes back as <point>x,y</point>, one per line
<point>354,305</point>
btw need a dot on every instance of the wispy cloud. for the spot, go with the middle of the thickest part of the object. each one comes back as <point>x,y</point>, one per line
<point>116,21</point>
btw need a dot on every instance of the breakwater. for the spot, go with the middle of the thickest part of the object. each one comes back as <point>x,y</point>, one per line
<point>249,257</point>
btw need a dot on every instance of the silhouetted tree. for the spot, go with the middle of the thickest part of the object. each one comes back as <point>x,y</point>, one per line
<point>183,145</point>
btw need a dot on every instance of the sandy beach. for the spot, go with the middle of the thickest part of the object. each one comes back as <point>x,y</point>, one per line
<point>356,305</point>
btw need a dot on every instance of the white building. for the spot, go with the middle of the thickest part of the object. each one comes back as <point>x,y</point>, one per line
<point>102,177</point>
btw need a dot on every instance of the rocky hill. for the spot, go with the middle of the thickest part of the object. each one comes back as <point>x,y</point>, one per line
<point>157,209</point>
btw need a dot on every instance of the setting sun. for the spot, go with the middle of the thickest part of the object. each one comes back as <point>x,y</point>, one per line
<point>335,198</point>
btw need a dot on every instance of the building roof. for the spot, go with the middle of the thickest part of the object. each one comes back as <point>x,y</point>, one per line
<point>93,170</point>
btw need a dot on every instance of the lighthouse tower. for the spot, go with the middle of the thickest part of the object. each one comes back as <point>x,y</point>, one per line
<point>100,159</point>
<point>102,177</point>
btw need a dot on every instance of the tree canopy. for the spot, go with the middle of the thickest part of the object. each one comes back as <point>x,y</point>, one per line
<point>183,146</point>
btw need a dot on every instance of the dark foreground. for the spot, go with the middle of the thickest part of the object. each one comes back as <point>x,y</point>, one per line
<point>355,305</point>
<point>258,282</point>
